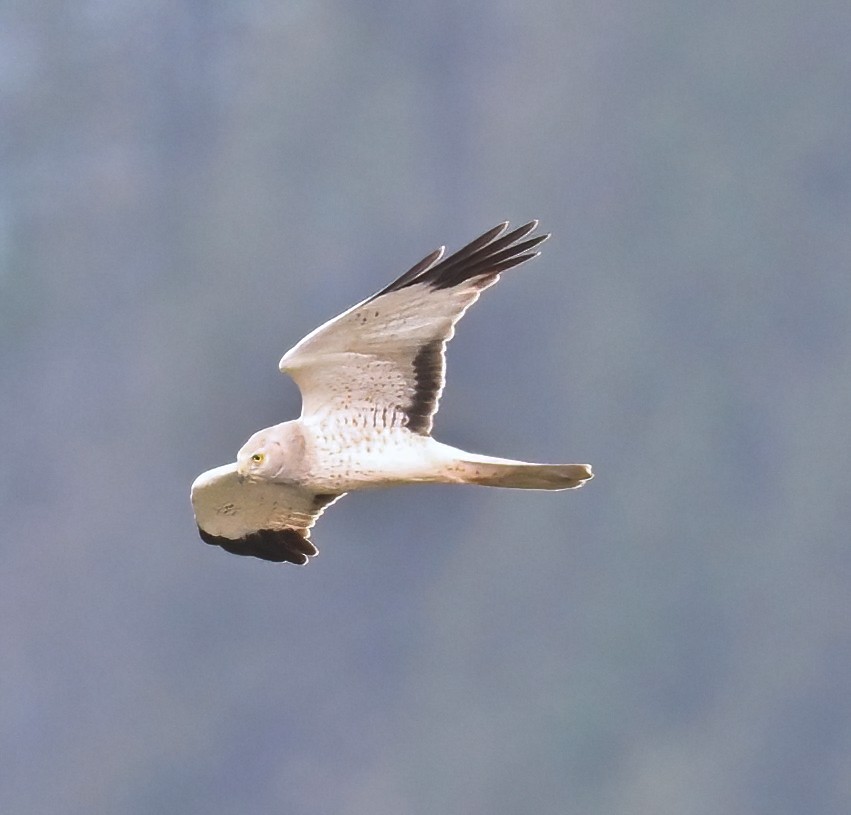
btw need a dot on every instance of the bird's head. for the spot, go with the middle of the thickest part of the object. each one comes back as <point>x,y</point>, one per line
<point>254,461</point>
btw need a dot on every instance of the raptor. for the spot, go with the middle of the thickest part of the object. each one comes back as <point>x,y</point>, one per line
<point>370,381</point>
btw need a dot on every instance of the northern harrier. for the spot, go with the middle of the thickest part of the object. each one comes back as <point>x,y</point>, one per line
<point>370,381</point>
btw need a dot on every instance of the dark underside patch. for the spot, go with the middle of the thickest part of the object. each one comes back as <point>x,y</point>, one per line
<point>428,379</point>
<point>279,545</point>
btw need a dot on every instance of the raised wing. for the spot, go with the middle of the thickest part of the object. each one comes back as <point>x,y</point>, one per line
<point>382,362</point>
<point>262,519</point>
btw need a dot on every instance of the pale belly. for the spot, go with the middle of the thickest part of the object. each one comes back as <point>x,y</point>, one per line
<point>352,458</point>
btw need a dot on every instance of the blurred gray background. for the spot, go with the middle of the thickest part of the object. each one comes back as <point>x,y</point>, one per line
<point>186,188</point>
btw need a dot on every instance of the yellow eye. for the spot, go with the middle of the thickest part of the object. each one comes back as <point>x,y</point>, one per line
<point>257,458</point>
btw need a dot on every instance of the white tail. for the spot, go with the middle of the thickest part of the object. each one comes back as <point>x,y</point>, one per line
<point>495,472</point>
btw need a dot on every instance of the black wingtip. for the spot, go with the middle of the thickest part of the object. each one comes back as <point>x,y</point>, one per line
<point>490,253</point>
<point>416,270</point>
<point>276,545</point>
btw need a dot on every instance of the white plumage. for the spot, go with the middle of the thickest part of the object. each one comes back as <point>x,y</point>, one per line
<point>370,380</point>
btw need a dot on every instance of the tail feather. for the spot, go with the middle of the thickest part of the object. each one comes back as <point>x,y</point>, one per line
<point>491,472</point>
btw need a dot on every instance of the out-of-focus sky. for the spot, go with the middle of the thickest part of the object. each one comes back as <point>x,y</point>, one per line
<point>187,188</point>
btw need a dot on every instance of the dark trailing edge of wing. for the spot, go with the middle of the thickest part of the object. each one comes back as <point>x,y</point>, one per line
<point>488,254</point>
<point>428,379</point>
<point>278,545</point>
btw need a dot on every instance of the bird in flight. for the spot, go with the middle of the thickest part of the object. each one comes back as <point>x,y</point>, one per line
<point>370,381</point>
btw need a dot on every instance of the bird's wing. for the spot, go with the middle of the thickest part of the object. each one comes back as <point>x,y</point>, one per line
<point>262,519</point>
<point>382,363</point>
